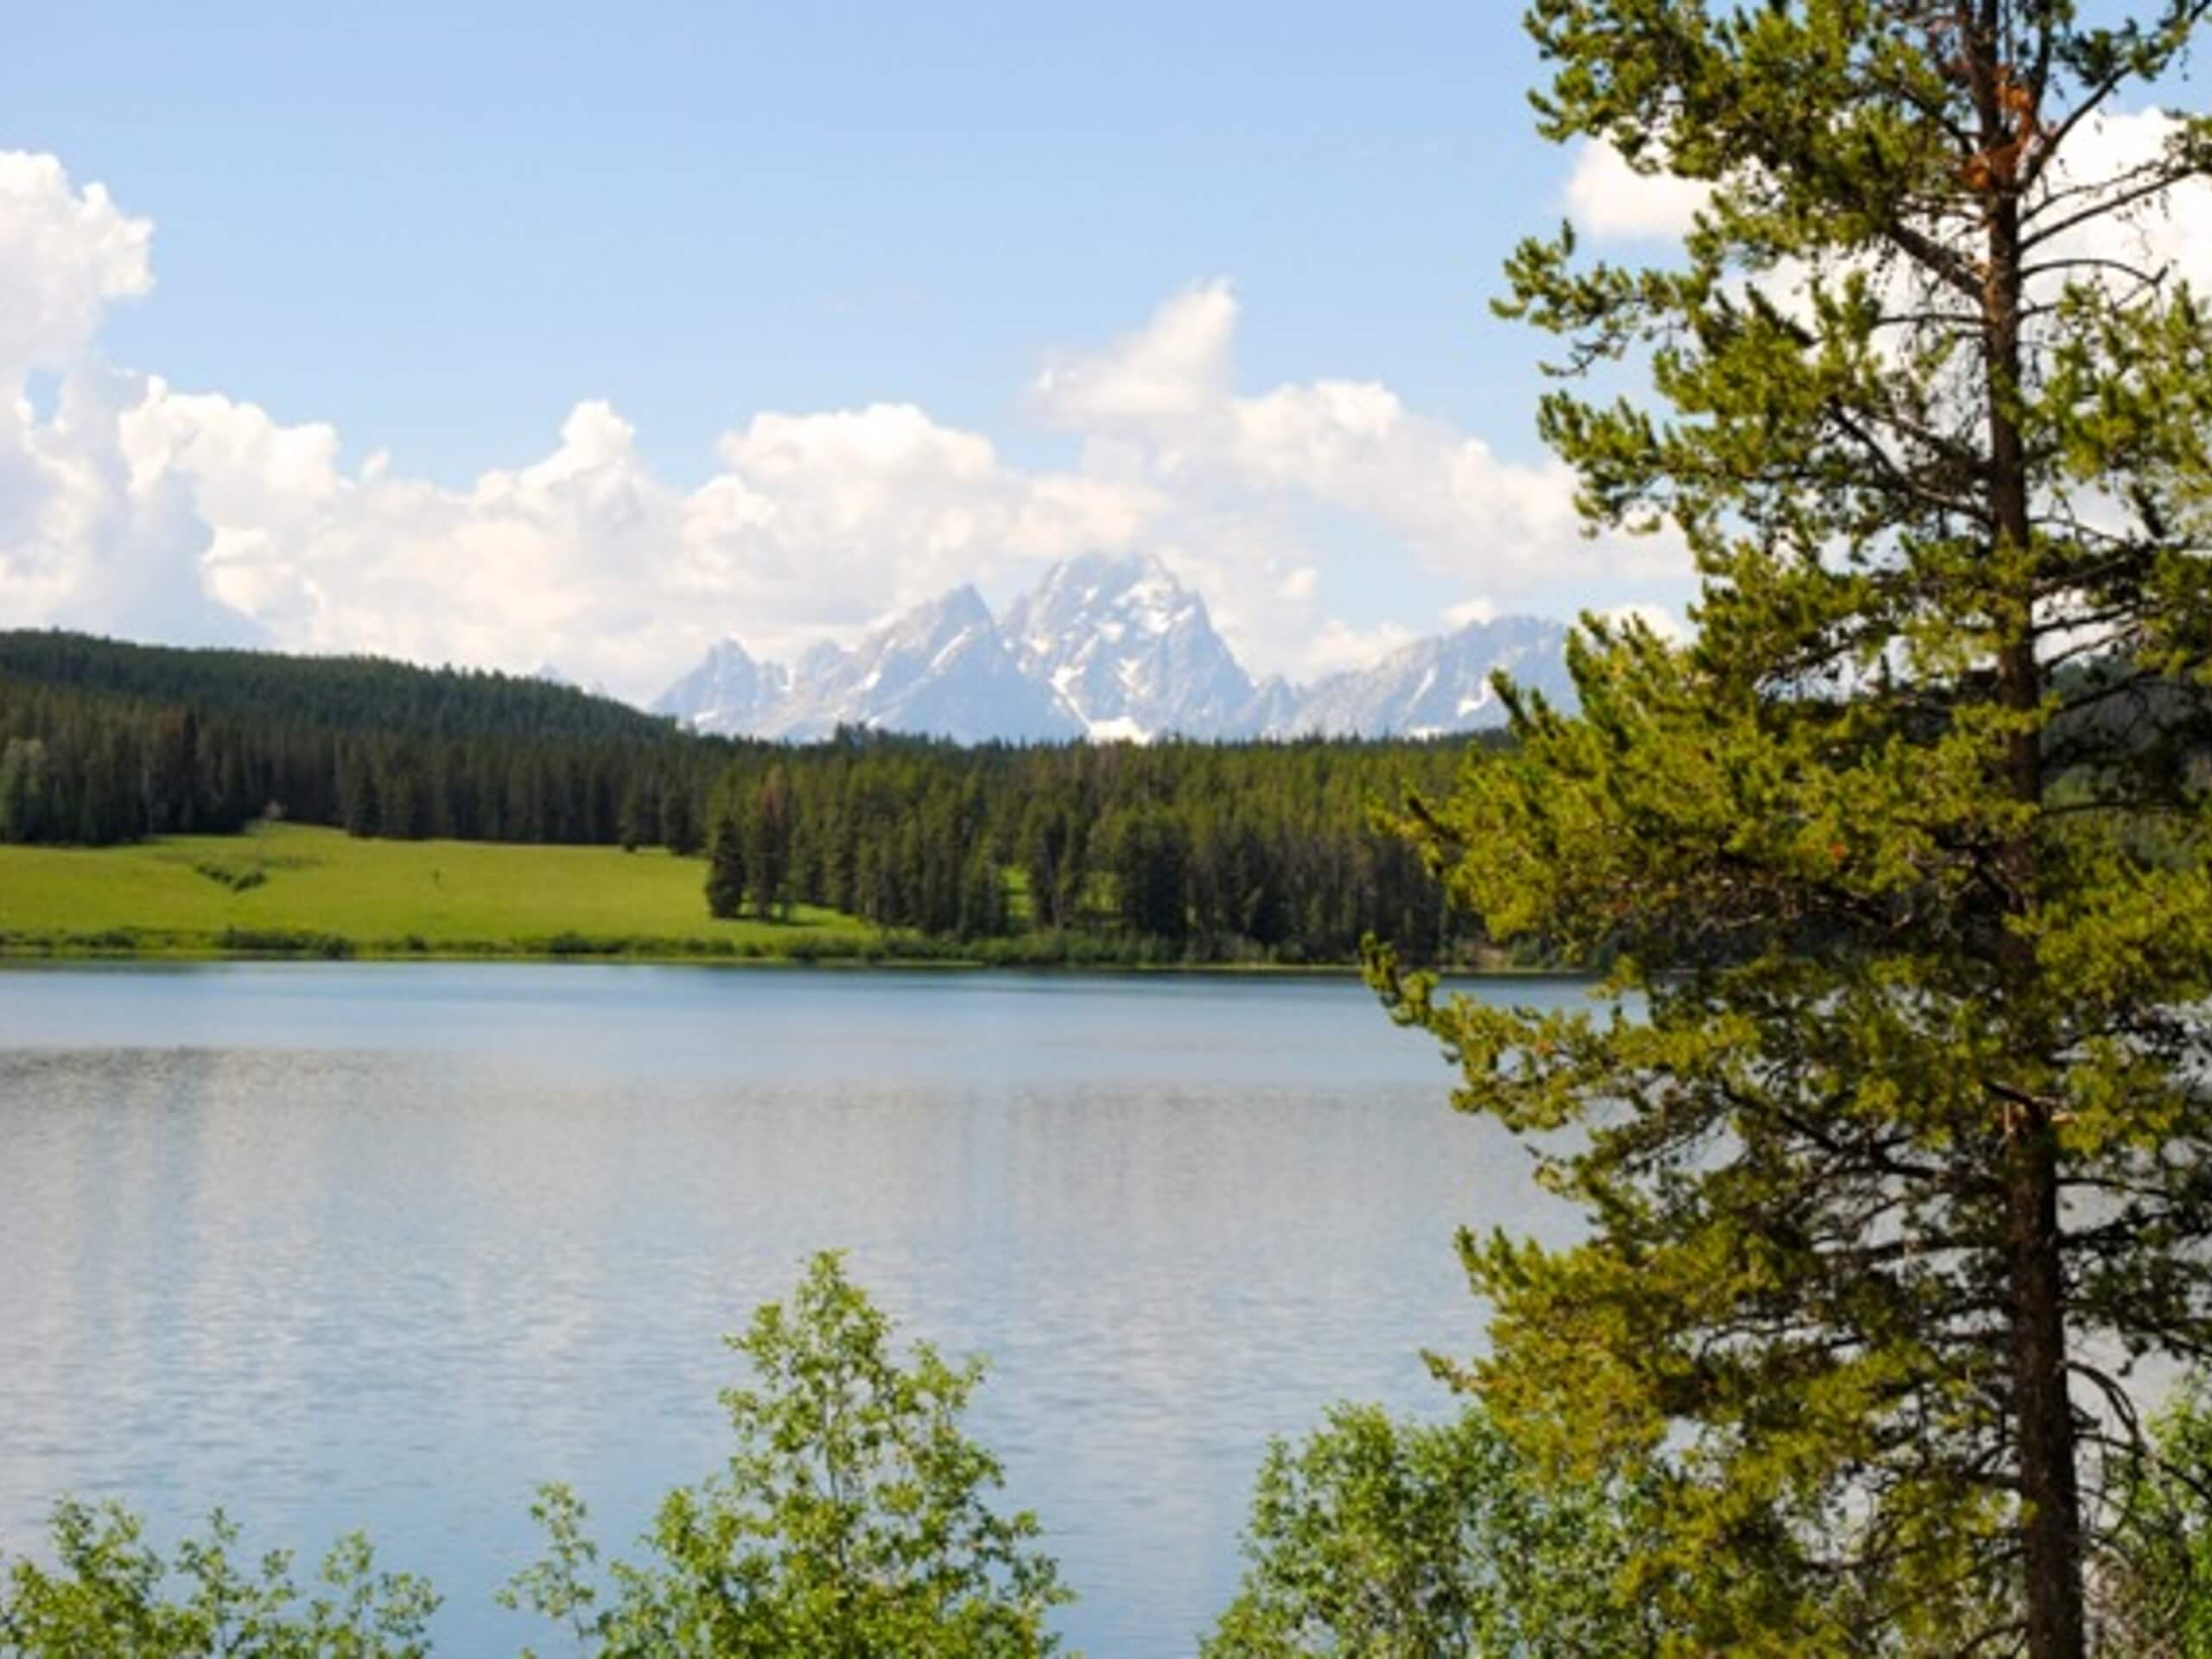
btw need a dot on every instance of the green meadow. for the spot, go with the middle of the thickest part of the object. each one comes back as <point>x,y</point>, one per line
<point>288,889</point>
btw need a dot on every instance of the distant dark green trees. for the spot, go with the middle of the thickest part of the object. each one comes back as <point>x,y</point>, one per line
<point>29,810</point>
<point>1213,852</point>
<point>1149,857</point>
<point>114,741</point>
<point>726,867</point>
<point>1260,852</point>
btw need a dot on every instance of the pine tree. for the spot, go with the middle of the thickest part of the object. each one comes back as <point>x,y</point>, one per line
<point>639,813</point>
<point>23,790</point>
<point>726,864</point>
<point>1150,858</point>
<point>768,843</point>
<point>1908,858</point>
<point>679,827</point>
<point>982,896</point>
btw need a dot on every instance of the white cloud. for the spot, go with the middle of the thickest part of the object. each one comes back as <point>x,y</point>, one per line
<point>1349,449</point>
<point>1337,646</point>
<point>65,254</point>
<point>1174,370</point>
<point>142,508</point>
<point>1663,621</point>
<point>1470,611</point>
<point>2175,230</point>
<point>1610,200</point>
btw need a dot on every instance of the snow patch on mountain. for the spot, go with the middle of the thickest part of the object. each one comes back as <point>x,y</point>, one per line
<point>728,692</point>
<point>1128,651</point>
<point>1112,649</point>
<point>1438,684</point>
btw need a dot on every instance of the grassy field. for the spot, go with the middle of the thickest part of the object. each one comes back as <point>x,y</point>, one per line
<point>287,889</point>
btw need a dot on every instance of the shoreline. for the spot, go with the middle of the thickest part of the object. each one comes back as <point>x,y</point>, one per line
<point>301,893</point>
<point>154,947</point>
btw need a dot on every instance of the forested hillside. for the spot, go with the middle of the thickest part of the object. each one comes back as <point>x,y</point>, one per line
<point>367,694</point>
<point>1241,851</point>
<point>108,742</point>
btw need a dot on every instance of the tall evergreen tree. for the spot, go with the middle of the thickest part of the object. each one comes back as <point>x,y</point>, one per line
<point>1907,857</point>
<point>24,790</point>
<point>1150,858</point>
<point>726,881</point>
<point>768,843</point>
<point>982,896</point>
<point>679,825</point>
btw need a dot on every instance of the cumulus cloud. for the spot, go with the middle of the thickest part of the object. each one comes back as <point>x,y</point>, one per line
<point>65,255</point>
<point>1160,407</point>
<point>2175,231</point>
<point>139,508</point>
<point>143,508</point>
<point>1172,372</point>
<point>1610,200</point>
<point>1470,611</point>
<point>1338,646</point>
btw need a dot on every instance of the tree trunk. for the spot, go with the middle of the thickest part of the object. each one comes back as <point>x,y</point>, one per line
<point>2049,1485</point>
<point>2044,1418</point>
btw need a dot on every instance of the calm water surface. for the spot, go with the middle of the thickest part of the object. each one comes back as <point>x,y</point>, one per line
<point>384,1246</point>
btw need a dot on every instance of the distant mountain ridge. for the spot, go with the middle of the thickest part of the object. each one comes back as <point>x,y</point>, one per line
<point>1441,683</point>
<point>1107,647</point>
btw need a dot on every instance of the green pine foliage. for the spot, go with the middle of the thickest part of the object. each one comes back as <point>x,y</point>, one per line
<point>1907,861</point>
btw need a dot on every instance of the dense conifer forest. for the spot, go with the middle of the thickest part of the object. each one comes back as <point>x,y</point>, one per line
<point>1262,852</point>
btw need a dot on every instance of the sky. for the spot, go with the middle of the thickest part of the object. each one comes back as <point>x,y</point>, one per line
<point>589,335</point>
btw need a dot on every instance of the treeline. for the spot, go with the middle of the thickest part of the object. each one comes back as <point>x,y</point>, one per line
<point>1217,851</point>
<point>1221,852</point>
<point>339,694</point>
<point>103,742</point>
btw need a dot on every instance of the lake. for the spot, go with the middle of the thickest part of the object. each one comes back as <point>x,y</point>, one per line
<point>383,1246</point>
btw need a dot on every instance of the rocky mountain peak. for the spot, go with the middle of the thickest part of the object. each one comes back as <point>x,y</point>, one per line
<point>1110,646</point>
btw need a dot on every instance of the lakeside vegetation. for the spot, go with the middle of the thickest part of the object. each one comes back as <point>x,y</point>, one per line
<point>287,890</point>
<point>867,844</point>
<point>857,1516</point>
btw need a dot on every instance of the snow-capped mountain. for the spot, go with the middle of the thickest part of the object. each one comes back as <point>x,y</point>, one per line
<point>1128,650</point>
<point>1438,684</point>
<point>1272,711</point>
<point>728,692</point>
<point>943,669</point>
<point>1105,648</point>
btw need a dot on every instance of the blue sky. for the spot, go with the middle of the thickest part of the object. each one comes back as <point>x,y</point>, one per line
<point>441,232</point>
<point>590,333</point>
